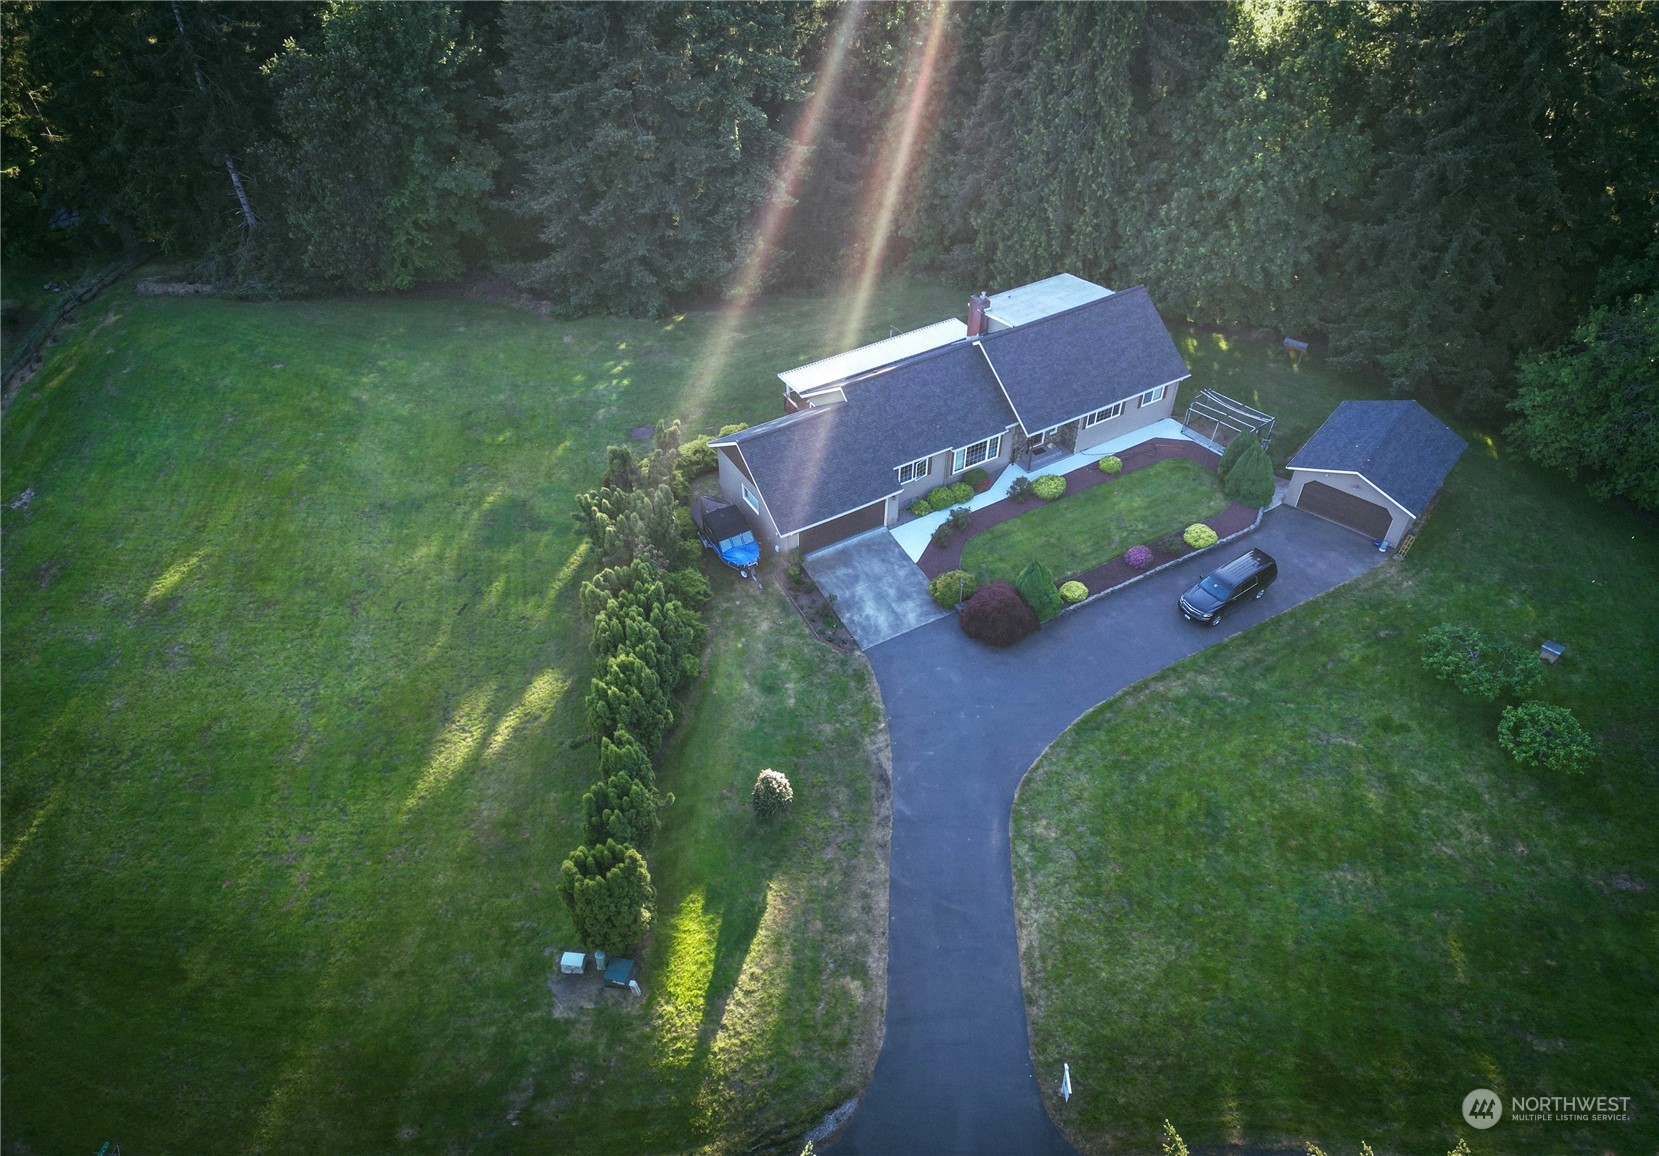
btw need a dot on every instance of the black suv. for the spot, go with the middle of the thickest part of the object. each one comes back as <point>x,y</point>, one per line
<point>1244,577</point>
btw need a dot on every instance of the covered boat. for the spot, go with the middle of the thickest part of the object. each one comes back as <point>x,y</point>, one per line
<point>726,531</point>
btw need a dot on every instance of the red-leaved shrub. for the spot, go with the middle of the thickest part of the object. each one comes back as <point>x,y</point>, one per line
<point>997,616</point>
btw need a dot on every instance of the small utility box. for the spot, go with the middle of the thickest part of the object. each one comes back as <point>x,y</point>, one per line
<point>573,963</point>
<point>620,973</point>
<point>1551,651</point>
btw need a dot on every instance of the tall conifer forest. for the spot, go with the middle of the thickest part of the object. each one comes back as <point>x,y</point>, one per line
<point>1445,193</point>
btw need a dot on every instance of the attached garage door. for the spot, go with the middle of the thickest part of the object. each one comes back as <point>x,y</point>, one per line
<point>1368,518</point>
<point>845,526</point>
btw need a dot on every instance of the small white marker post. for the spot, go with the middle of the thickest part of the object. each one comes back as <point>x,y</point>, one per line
<point>1065,1084</point>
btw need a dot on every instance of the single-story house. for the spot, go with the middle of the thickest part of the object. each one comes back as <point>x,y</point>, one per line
<point>1036,373</point>
<point>1374,466</point>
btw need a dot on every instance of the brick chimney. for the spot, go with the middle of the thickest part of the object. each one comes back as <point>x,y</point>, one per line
<point>977,305</point>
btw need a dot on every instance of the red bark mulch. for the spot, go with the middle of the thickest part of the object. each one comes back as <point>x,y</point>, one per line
<point>936,561</point>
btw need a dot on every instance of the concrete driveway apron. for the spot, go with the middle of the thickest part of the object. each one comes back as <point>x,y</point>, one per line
<point>879,592</point>
<point>966,721</point>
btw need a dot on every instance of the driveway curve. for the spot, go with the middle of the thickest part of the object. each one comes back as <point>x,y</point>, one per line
<point>965,723</point>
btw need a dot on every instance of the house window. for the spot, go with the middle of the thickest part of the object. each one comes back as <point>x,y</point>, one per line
<point>978,452</point>
<point>750,497</point>
<point>916,469</point>
<point>1107,414</point>
<point>1152,395</point>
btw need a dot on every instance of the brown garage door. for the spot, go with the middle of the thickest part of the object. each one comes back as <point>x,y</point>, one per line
<point>1368,518</point>
<point>845,526</point>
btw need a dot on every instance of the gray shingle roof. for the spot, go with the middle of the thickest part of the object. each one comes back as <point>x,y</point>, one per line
<point>1397,446</point>
<point>1075,362</point>
<point>817,463</point>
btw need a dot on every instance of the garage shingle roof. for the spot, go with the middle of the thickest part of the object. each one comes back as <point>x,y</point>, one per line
<point>1397,446</point>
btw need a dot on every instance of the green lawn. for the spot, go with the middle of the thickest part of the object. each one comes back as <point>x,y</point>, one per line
<point>1292,889</point>
<point>291,675</point>
<point>1082,530</point>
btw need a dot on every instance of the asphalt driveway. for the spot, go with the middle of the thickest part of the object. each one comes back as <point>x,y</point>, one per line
<point>966,721</point>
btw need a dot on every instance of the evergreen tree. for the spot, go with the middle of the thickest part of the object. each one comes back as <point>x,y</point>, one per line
<point>646,136</point>
<point>622,809</point>
<point>621,754</point>
<point>142,115</point>
<point>384,173</point>
<point>607,889</point>
<point>1250,482</point>
<point>1036,585</point>
<point>629,695</point>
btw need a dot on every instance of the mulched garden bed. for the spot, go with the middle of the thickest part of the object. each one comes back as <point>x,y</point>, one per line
<point>936,561</point>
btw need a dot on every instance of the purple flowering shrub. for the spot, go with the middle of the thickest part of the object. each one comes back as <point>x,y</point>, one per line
<point>1138,556</point>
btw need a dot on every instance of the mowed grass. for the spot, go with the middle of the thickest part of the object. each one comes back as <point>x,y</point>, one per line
<point>1081,530</point>
<point>292,669</point>
<point>1292,889</point>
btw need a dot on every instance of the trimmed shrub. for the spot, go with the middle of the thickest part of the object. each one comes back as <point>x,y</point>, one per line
<point>997,616</point>
<point>1484,667</point>
<point>1250,482</point>
<point>1111,464</point>
<point>1019,489</point>
<point>939,497</point>
<point>941,535</point>
<point>1538,734</point>
<point>1073,592</point>
<point>1230,456</point>
<point>960,518</point>
<point>1138,557</point>
<point>1198,535</point>
<point>1036,585</point>
<point>607,889</point>
<point>953,586</point>
<point>772,795</point>
<point>1048,486</point>
<point>978,479</point>
<point>921,507</point>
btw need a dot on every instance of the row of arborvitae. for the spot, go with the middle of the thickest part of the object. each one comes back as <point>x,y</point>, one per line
<point>1534,733</point>
<point>647,639</point>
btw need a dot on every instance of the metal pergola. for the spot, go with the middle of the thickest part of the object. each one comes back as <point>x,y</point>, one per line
<point>1210,413</point>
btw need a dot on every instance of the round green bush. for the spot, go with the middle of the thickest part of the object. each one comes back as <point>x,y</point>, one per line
<point>960,492</point>
<point>772,794</point>
<point>920,507</point>
<point>1048,486</point>
<point>1073,592</point>
<point>951,587</point>
<point>1541,735</point>
<point>1198,535</point>
<point>1111,464</point>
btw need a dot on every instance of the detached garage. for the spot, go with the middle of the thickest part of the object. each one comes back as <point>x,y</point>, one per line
<point>1374,466</point>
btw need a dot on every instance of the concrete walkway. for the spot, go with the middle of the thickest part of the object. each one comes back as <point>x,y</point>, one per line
<point>966,721</point>
<point>915,534</point>
<point>879,592</point>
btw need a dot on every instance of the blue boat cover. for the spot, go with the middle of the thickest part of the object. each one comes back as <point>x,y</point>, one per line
<point>726,530</point>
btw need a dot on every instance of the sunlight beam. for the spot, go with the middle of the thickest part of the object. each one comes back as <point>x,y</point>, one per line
<point>892,175</point>
<point>793,167</point>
